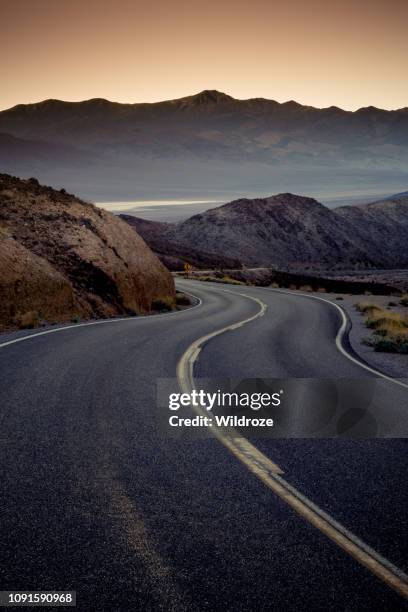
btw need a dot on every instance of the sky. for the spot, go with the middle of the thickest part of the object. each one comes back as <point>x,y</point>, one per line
<point>318,52</point>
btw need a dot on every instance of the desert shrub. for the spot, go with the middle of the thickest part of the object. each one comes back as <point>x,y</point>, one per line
<point>390,329</point>
<point>293,287</point>
<point>222,279</point>
<point>232,281</point>
<point>211,279</point>
<point>4,232</point>
<point>163,304</point>
<point>391,304</point>
<point>182,299</point>
<point>275,285</point>
<point>367,307</point>
<point>388,321</point>
<point>132,313</point>
<point>321,290</point>
<point>28,320</point>
<point>75,319</point>
<point>305,288</point>
<point>396,343</point>
<point>404,300</point>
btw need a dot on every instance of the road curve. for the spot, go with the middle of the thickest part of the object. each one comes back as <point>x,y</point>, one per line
<point>94,500</point>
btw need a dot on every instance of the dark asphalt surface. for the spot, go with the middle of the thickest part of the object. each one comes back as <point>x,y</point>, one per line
<point>94,500</point>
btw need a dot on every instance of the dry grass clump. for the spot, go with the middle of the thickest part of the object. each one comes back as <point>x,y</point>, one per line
<point>391,343</point>
<point>163,304</point>
<point>4,232</point>
<point>386,320</point>
<point>390,329</point>
<point>367,308</point>
<point>28,320</point>
<point>182,299</point>
<point>219,279</point>
<point>307,288</point>
<point>404,300</point>
<point>275,286</point>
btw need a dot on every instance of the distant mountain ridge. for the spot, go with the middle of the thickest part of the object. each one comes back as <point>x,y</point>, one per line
<point>111,122</point>
<point>208,141</point>
<point>287,230</point>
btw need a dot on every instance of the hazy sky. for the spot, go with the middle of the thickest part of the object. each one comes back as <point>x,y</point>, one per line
<point>349,53</point>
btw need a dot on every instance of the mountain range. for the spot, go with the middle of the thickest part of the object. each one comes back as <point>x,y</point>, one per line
<point>208,143</point>
<point>286,231</point>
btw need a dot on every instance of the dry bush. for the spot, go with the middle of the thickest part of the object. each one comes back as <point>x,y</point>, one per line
<point>307,288</point>
<point>182,299</point>
<point>384,319</point>
<point>367,307</point>
<point>28,320</point>
<point>390,329</point>
<point>391,343</point>
<point>220,279</point>
<point>163,304</point>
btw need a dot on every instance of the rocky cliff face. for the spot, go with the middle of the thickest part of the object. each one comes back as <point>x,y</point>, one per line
<point>62,257</point>
<point>30,288</point>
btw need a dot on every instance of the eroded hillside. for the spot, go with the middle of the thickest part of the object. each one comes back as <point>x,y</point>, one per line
<point>63,257</point>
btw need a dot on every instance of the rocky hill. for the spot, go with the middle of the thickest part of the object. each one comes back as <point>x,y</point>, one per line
<point>172,251</point>
<point>381,227</point>
<point>208,142</point>
<point>61,258</point>
<point>289,230</point>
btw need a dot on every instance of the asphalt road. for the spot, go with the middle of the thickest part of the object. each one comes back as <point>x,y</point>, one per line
<point>93,499</point>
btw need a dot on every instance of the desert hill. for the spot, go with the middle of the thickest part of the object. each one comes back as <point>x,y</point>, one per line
<point>290,230</point>
<point>61,258</point>
<point>383,227</point>
<point>174,253</point>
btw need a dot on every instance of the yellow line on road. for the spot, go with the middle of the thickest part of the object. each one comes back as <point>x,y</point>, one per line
<point>270,474</point>
<point>236,444</point>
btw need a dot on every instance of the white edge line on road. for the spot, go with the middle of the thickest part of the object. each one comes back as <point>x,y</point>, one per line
<point>341,334</point>
<point>103,321</point>
<point>269,473</point>
<point>256,461</point>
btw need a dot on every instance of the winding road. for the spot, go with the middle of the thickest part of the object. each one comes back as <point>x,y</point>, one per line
<point>94,500</point>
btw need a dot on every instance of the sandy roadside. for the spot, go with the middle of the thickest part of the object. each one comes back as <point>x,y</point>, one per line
<point>392,364</point>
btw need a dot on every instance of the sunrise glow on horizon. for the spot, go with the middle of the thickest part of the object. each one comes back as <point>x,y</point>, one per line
<point>318,53</point>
